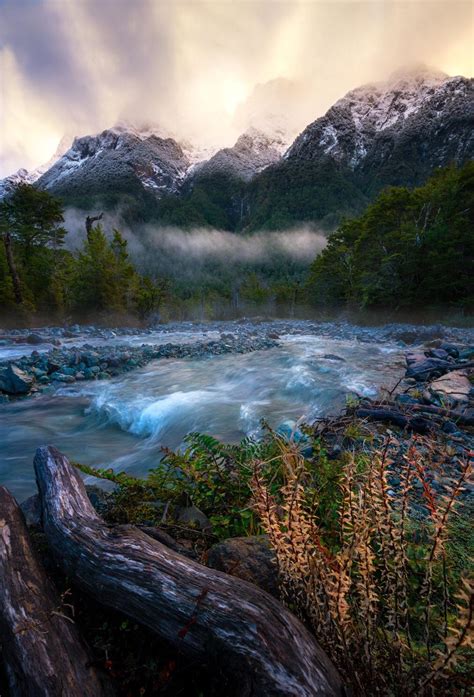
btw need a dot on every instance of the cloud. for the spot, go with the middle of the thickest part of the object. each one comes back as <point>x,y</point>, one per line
<point>78,66</point>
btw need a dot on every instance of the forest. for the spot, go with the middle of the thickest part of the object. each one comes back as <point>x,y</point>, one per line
<point>409,249</point>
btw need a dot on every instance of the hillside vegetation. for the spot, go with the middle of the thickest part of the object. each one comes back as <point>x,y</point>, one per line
<point>410,248</point>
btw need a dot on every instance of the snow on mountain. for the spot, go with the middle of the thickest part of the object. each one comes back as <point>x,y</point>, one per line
<point>417,103</point>
<point>395,132</point>
<point>253,151</point>
<point>119,157</point>
<point>22,176</point>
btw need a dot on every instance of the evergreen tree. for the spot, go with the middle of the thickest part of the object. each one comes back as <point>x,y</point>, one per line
<point>30,220</point>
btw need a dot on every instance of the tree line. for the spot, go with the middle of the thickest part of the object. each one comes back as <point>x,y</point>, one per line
<point>39,277</point>
<point>411,248</point>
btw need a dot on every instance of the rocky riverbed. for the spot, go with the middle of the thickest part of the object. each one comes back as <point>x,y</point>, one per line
<point>77,353</point>
<point>115,397</point>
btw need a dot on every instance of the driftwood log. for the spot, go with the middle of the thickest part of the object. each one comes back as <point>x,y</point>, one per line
<point>238,630</point>
<point>454,415</point>
<point>40,650</point>
<point>412,423</point>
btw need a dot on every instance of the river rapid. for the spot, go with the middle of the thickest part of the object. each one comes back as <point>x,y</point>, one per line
<point>124,422</point>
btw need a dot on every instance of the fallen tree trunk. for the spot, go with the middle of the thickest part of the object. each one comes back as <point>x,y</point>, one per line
<point>412,423</point>
<point>239,630</point>
<point>452,414</point>
<point>40,648</point>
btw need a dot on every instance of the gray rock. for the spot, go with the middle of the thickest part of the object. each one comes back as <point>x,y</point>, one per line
<point>423,368</point>
<point>248,558</point>
<point>35,339</point>
<point>98,497</point>
<point>451,389</point>
<point>15,381</point>
<point>192,516</point>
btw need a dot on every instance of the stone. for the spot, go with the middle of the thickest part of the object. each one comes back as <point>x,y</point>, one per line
<point>248,558</point>
<point>15,381</point>
<point>423,368</point>
<point>333,357</point>
<point>192,516</point>
<point>450,349</point>
<point>35,339</point>
<point>438,353</point>
<point>451,389</point>
<point>60,377</point>
<point>98,497</point>
<point>467,354</point>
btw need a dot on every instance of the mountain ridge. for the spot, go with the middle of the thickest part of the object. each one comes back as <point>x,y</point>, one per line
<point>395,132</point>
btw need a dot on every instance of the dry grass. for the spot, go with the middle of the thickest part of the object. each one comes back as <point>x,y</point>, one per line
<point>380,592</point>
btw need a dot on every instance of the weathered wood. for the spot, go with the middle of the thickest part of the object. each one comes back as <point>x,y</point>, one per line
<point>90,220</point>
<point>412,423</point>
<point>216,619</point>
<point>452,414</point>
<point>40,649</point>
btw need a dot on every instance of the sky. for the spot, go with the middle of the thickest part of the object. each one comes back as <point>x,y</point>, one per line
<point>202,69</point>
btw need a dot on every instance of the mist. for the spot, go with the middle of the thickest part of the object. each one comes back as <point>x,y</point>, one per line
<point>206,258</point>
<point>204,70</point>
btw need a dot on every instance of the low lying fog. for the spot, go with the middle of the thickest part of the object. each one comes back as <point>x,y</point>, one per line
<point>173,252</point>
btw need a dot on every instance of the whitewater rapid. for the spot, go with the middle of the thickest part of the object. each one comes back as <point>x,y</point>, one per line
<point>124,422</point>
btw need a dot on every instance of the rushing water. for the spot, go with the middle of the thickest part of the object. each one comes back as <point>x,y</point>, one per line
<point>123,422</point>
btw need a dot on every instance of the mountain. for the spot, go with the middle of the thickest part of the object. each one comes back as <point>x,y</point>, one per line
<point>22,176</point>
<point>392,133</point>
<point>252,153</point>
<point>421,119</point>
<point>117,162</point>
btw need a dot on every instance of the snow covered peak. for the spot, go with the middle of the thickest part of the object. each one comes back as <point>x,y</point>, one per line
<point>253,151</point>
<point>22,176</point>
<point>347,131</point>
<point>381,105</point>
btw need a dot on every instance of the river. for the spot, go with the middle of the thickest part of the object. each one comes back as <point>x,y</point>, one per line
<point>123,423</point>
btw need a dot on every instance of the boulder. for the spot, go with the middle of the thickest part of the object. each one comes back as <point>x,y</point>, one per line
<point>15,381</point>
<point>452,389</point>
<point>248,558</point>
<point>99,498</point>
<point>422,368</point>
<point>192,516</point>
<point>31,508</point>
<point>35,339</point>
<point>333,357</point>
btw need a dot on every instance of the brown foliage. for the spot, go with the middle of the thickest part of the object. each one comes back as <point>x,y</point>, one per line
<point>384,600</point>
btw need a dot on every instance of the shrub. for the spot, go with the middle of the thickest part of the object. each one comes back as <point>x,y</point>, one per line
<point>377,582</point>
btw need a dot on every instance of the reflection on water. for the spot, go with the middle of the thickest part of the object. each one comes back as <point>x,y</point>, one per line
<point>123,422</point>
